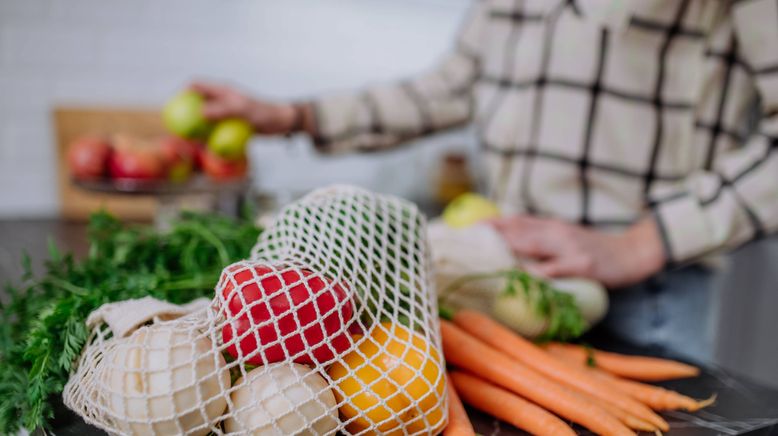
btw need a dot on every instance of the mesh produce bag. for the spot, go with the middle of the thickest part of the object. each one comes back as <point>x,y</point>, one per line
<point>330,326</point>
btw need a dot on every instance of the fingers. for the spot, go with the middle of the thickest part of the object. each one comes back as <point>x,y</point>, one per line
<point>218,111</point>
<point>221,101</point>
<point>516,222</point>
<point>208,90</point>
<point>552,248</point>
<point>528,236</point>
<point>532,245</point>
<point>215,107</point>
<point>574,265</point>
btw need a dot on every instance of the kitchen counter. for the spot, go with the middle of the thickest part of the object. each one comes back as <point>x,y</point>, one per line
<point>742,407</point>
<point>32,237</point>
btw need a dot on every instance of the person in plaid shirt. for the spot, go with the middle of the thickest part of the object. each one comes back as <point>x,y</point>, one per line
<point>630,140</point>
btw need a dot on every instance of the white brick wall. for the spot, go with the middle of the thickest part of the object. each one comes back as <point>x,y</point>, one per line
<point>112,52</point>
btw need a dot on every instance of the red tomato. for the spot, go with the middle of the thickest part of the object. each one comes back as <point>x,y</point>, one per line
<point>313,311</point>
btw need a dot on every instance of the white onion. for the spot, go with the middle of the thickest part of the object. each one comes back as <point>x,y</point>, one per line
<point>282,399</point>
<point>161,380</point>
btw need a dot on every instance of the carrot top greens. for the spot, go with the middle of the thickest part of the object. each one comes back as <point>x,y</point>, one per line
<point>42,329</point>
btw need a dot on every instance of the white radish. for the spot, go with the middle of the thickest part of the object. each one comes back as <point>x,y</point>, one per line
<point>282,399</point>
<point>162,380</point>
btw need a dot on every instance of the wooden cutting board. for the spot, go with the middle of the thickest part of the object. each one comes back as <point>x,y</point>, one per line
<point>71,123</point>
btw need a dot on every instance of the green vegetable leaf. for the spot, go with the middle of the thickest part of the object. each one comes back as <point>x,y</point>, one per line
<point>54,253</point>
<point>42,329</point>
<point>446,312</point>
<point>26,267</point>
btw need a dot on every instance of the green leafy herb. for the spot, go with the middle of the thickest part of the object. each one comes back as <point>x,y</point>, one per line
<point>42,329</point>
<point>565,321</point>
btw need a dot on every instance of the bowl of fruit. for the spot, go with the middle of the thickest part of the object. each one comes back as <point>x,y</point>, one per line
<point>195,155</point>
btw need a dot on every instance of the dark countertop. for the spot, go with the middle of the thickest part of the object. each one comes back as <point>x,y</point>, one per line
<point>32,237</point>
<point>742,407</point>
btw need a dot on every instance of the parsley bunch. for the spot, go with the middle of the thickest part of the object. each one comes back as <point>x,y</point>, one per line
<point>42,329</point>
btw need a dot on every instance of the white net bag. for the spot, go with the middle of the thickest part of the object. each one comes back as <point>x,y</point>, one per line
<point>330,326</point>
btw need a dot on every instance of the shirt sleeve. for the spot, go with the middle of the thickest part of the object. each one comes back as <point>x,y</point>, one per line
<point>382,116</point>
<point>736,200</point>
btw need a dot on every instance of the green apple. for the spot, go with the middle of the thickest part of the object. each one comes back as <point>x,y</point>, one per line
<point>183,116</point>
<point>468,209</point>
<point>229,138</point>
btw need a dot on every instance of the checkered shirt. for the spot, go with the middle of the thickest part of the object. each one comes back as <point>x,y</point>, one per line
<point>601,112</point>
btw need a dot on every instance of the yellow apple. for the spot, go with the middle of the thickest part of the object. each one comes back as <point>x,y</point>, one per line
<point>183,116</point>
<point>468,209</point>
<point>229,139</point>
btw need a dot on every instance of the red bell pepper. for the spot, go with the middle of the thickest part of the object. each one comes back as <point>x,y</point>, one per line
<point>288,314</point>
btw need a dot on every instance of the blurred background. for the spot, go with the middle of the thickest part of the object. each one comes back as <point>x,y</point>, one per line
<point>114,54</point>
<point>66,65</point>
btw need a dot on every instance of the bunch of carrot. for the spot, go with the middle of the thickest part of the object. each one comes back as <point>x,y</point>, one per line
<point>535,388</point>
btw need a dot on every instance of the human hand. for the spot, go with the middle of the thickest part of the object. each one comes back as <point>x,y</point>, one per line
<point>223,101</point>
<point>554,249</point>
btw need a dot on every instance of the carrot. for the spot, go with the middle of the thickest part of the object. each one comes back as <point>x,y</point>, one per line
<point>458,422</point>
<point>508,407</point>
<point>655,397</point>
<point>504,340</point>
<point>465,351</point>
<point>659,398</point>
<point>633,367</point>
<point>628,420</point>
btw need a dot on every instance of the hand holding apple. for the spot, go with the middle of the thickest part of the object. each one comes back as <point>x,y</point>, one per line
<point>227,118</point>
<point>222,101</point>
